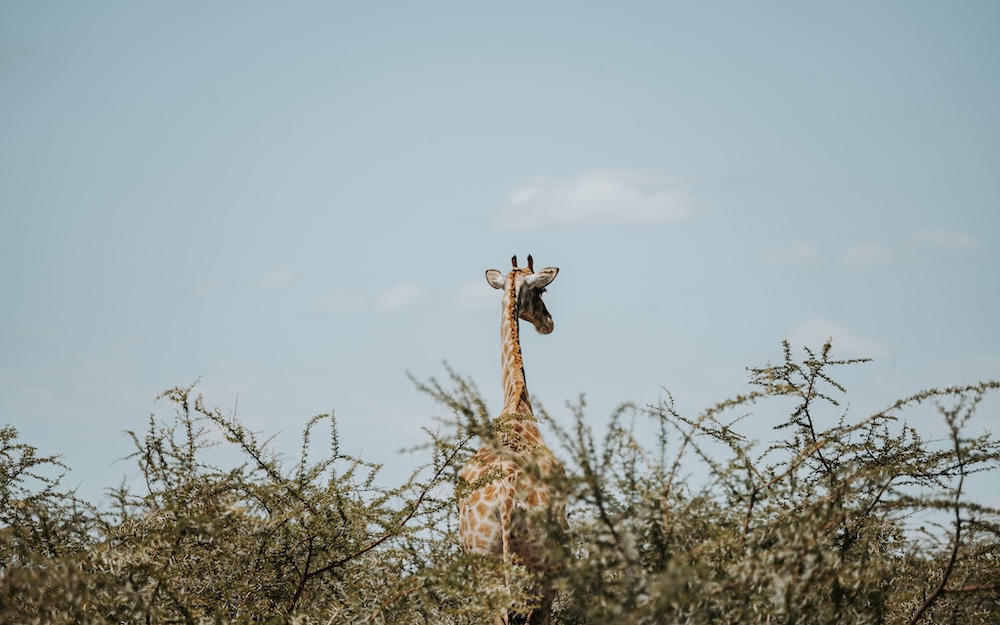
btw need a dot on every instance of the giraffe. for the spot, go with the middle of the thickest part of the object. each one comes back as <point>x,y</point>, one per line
<point>506,504</point>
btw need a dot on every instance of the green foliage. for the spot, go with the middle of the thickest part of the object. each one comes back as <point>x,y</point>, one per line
<point>672,519</point>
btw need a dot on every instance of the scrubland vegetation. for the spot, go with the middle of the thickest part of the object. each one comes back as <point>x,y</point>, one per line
<point>845,520</point>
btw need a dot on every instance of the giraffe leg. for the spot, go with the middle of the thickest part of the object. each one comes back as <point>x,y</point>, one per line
<point>506,514</point>
<point>542,615</point>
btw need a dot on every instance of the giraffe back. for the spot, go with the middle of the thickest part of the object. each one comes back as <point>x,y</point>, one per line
<point>511,482</point>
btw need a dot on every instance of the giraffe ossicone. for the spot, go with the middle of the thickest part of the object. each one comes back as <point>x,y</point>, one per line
<point>507,497</point>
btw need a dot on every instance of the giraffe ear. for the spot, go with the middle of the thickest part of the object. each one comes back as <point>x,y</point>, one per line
<point>541,278</point>
<point>495,278</point>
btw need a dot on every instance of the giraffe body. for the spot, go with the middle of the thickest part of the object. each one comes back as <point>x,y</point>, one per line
<point>505,495</point>
<point>508,503</point>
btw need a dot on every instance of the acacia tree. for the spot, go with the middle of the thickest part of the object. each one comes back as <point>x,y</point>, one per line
<point>812,528</point>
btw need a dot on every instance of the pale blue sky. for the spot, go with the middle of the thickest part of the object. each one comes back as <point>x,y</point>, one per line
<point>296,202</point>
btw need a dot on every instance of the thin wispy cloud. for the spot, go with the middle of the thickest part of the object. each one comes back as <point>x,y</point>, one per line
<point>869,254</point>
<point>398,297</point>
<point>335,303</point>
<point>799,253</point>
<point>865,255</point>
<point>276,279</point>
<point>390,299</point>
<point>945,240</point>
<point>813,333</point>
<point>595,197</point>
<point>476,295</point>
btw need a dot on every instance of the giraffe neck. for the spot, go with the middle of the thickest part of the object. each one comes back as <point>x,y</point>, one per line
<point>515,390</point>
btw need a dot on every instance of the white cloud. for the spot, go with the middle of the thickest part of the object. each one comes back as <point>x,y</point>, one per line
<point>398,297</point>
<point>864,255</point>
<point>946,239</point>
<point>813,333</point>
<point>476,295</point>
<point>601,196</point>
<point>792,254</point>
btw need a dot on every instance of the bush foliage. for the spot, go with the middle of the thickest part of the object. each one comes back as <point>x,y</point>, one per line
<point>841,521</point>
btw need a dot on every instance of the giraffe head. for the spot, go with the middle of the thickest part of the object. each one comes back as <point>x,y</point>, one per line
<point>526,286</point>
